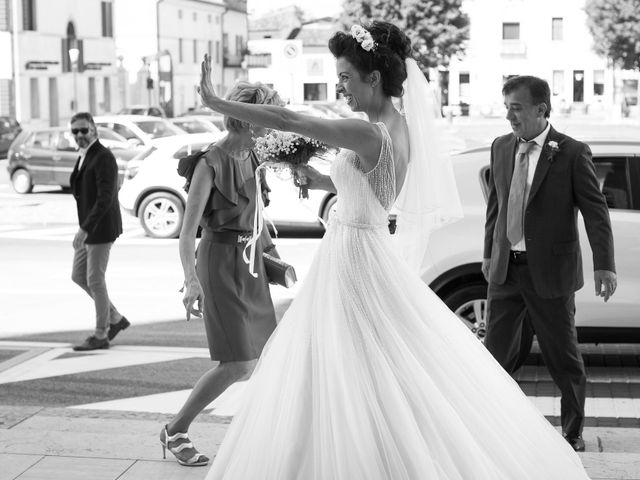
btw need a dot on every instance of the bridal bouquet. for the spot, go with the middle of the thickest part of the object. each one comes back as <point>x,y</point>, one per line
<point>287,151</point>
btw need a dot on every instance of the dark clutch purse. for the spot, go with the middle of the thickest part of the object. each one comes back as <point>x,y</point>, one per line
<point>278,271</point>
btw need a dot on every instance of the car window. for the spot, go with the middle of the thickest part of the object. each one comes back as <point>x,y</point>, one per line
<point>613,181</point>
<point>65,142</point>
<point>634,182</point>
<point>108,134</point>
<point>40,140</point>
<point>193,126</point>
<point>484,181</point>
<point>156,129</point>
<point>126,132</point>
<point>155,112</point>
<point>189,149</point>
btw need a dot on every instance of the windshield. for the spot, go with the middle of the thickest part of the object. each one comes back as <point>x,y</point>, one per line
<point>158,129</point>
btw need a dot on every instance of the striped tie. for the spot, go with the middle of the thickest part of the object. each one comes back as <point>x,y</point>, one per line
<point>515,207</point>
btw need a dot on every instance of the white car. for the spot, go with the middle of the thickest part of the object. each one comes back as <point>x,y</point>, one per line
<point>153,191</point>
<point>138,129</point>
<point>197,124</point>
<point>452,265</point>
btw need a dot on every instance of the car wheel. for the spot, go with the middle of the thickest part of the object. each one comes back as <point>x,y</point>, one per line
<point>21,181</point>
<point>329,209</point>
<point>469,303</point>
<point>161,215</point>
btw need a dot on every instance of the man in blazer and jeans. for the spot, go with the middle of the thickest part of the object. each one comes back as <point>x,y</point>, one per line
<point>94,184</point>
<point>538,181</point>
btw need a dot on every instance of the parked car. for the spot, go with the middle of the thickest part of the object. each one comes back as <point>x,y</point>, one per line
<point>138,129</point>
<point>47,156</point>
<point>452,265</point>
<point>215,117</point>
<point>197,124</point>
<point>9,130</point>
<point>153,190</point>
<point>151,110</point>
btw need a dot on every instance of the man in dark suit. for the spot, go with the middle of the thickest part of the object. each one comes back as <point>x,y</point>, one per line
<point>539,179</point>
<point>94,184</point>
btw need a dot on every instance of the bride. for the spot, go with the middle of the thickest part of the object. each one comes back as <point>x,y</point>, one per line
<point>369,375</point>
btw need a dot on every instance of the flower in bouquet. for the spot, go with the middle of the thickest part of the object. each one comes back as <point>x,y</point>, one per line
<point>288,151</point>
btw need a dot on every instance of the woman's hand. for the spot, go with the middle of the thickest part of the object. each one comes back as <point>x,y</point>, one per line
<point>312,177</point>
<point>193,296</point>
<point>205,89</point>
<point>314,180</point>
<point>272,250</point>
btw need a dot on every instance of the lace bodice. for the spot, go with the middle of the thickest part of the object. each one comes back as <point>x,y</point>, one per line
<point>365,198</point>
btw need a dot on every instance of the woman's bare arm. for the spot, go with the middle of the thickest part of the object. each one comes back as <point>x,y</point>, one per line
<point>199,191</point>
<point>354,134</point>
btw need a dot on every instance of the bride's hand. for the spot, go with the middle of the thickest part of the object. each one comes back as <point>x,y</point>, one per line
<point>312,176</point>
<point>205,89</point>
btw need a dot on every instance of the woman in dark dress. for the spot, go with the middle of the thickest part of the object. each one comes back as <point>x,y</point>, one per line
<point>238,311</point>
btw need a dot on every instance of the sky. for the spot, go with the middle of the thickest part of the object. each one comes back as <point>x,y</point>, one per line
<point>313,8</point>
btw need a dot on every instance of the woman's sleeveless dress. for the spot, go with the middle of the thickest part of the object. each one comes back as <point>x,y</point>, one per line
<point>239,316</point>
<point>370,376</point>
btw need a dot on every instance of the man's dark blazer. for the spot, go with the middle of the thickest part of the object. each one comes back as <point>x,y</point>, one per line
<point>95,188</point>
<point>564,181</point>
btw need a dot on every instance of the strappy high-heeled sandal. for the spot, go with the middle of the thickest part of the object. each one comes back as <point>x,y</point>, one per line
<point>182,448</point>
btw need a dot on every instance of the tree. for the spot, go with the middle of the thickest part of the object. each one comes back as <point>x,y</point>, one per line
<point>615,26</point>
<point>437,28</point>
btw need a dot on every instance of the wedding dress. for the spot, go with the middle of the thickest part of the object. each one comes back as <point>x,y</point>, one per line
<point>370,376</point>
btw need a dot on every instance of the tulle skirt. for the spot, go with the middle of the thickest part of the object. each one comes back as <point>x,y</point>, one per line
<point>370,376</point>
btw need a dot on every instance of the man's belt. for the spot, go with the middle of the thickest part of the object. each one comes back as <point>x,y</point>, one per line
<point>518,256</point>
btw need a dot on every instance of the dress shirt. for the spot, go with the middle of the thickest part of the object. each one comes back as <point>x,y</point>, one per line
<point>534,155</point>
<point>83,153</point>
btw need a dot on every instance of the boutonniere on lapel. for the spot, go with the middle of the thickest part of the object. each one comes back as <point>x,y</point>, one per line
<point>553,149</point>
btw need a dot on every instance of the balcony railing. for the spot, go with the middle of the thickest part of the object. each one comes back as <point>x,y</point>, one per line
<point>230,60</point>
<point>258,60</point>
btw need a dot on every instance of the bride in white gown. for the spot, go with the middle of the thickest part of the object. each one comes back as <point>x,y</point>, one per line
<point>369,375</point>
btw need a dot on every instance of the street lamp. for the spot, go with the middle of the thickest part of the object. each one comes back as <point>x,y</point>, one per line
<point>74,53</point>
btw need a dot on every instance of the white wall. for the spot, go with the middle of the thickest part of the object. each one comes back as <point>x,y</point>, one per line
<point>292,66</point>
<point>488,57</point>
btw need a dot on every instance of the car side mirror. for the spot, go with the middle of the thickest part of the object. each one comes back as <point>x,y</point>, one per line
<point>134,142</point>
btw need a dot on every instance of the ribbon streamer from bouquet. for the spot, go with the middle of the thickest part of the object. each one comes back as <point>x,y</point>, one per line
<point>258,224</point>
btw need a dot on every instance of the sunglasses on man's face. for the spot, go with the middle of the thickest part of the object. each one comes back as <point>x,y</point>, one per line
<point>83,131</point>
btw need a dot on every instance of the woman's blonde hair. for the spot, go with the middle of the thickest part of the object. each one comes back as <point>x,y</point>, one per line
<point>248,92</point>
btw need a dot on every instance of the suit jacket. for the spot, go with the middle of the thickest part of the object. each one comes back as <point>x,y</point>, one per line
<point>95,188</point>
<point>564,182</point>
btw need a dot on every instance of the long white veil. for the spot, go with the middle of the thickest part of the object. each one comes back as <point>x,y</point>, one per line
<point>429,197</point>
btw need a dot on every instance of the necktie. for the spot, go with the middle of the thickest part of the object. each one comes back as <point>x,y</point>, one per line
<point>515,207</point>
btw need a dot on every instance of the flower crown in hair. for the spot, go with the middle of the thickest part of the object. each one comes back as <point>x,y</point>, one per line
<point>363,37</point>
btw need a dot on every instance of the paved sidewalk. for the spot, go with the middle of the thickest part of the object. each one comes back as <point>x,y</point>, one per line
<point>69,444</point>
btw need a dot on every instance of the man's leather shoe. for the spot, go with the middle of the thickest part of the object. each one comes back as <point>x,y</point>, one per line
<point>115,328</point>
<point>92,343</point>
<point>577,443</point>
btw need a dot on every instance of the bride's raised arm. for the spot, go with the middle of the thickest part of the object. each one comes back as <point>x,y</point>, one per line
<point>354,134</point>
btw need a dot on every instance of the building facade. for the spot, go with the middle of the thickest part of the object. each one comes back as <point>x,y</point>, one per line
<point>62,59</point>
<point>65,56</point>
<point>295,61</point>
<point>163,56</point>
<point>546,38</point>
